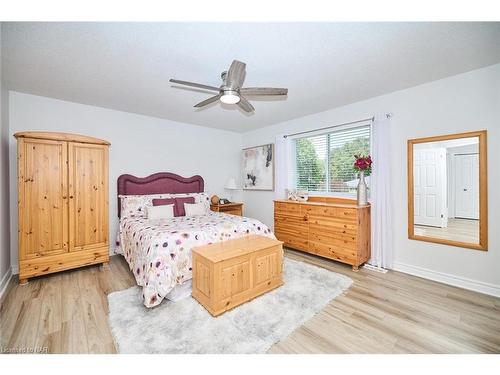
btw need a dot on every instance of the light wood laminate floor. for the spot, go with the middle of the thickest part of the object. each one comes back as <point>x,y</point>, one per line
<point>460,230</point>
<point>380,313</point>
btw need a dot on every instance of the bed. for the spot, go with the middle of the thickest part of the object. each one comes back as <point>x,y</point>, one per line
<point>159,251</point>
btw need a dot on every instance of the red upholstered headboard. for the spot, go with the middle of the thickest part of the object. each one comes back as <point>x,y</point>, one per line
<point>158,183</point>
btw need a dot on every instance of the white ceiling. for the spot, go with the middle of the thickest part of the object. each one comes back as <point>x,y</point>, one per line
<point>126,66</point>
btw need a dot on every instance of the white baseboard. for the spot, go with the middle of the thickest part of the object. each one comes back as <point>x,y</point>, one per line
<point>4,283</point>
<point>370,267</point>
<point>15,269</point>
<point>445,278</point>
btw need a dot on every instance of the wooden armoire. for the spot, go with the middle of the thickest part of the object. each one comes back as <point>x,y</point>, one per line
<point>62,202</point>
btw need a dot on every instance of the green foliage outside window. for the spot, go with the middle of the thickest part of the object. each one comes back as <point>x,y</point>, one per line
<point>310,168</point>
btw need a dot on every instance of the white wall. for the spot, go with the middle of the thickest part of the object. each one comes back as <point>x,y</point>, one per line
<point>140,145</point>
<point>461,103</point>
<point>4,184</point>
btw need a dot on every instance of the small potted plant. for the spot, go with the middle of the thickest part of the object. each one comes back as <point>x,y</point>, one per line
<point>363,166</point>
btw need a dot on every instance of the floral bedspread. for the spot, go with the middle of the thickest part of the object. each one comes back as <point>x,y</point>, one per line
<point>159,251</point>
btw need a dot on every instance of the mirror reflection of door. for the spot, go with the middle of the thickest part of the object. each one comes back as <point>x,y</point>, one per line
<point>467,186</point>
<point>446,189</point>
<point>429,168</point>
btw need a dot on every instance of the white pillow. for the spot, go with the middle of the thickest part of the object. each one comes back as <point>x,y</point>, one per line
<point>165,211</point>
<point>193,209</point>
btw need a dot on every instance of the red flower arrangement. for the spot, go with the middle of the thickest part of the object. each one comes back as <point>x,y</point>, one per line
<point>363,164</point>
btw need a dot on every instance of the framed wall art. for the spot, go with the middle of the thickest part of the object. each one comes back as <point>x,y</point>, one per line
<point>258,167</point>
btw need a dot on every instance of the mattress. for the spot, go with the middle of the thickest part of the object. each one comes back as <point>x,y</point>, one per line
<point>159,251</point>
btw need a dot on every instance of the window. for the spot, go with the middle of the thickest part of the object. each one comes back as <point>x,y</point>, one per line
<point>324,163</point>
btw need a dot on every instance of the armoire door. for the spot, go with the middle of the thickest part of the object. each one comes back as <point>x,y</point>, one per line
<point>42,195</point>
<point>88,196</point>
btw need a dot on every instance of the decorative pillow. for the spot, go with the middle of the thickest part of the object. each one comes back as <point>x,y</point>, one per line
<point>178,202</point>
<point>198,198</point>
<point>195,209</point>
<point>135,205</point>
<point>165,211</point>
<point>179,205</point>
<point>164,201</point>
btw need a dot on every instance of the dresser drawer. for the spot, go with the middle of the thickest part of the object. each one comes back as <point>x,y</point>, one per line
<point>293,231</point>
<point>326,225</point>
<point>334,238</point>
<point>292,241</point>
<point>290,209</point>
<point>348,214</point>
<point>318,246</point>
<point>286,219</point>
<point>318,210</point>
<point>333,252</point>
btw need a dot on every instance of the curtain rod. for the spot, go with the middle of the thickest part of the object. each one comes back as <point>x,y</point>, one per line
<point>388,115</point>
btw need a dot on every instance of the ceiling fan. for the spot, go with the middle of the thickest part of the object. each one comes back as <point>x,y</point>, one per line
<point>231,90</point>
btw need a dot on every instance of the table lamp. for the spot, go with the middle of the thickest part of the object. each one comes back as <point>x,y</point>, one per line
<point>231,186</point>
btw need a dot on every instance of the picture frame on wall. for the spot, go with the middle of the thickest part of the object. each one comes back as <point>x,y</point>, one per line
<point>258,167</point>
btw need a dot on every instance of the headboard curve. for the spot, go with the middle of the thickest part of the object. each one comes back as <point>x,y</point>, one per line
<point>158,183</point>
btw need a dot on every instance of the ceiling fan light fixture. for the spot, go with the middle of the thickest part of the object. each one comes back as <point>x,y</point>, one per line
<point>230,97</point>
<point>232,91</point>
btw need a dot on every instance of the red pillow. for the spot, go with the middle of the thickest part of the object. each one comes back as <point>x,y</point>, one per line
<point>177,202</point>
<point>179,205</point>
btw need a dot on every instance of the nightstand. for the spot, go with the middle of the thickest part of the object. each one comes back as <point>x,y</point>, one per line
<point>228,208</point>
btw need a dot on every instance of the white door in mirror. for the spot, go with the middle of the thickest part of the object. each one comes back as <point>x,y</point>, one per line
<point>467,186</point>
<point>429,187</point>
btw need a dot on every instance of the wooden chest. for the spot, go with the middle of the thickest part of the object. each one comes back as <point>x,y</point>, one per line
<point>227,274</point>
<point>333,228</point>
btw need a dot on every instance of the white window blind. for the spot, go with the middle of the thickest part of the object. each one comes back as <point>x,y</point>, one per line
<point>324,163</point>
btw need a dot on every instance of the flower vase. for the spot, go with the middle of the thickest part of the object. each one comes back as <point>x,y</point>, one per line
<point>362,190</point>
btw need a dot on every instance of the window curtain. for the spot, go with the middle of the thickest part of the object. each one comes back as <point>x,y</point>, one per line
<point>282,168</point>
<point>380,186</point>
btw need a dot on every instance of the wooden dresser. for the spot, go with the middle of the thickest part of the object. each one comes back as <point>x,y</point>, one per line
<point>62,202</point>
<point>333,228</point>
<point>228,208</point>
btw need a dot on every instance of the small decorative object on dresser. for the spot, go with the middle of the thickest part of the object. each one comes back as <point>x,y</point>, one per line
<point>362,165</point>
<point>62,184</point>
<point>333,228</point>
<point>228,208</point>
<point>229,273</point>
<point>214,200</point>
<point>297,195</point>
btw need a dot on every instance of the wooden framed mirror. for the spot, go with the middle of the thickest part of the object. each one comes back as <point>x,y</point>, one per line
<point>447,190</point>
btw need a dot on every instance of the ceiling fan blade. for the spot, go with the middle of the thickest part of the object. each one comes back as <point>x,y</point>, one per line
<point>263,91</point>
<point>208,101</point>
<point>245,105</point>
<point>192,84</point>
<point>235,74</point>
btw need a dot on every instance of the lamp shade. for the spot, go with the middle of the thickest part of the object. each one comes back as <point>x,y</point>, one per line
<point>231,184</point>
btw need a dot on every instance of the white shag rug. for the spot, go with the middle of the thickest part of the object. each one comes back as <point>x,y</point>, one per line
<point>186,327</point>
